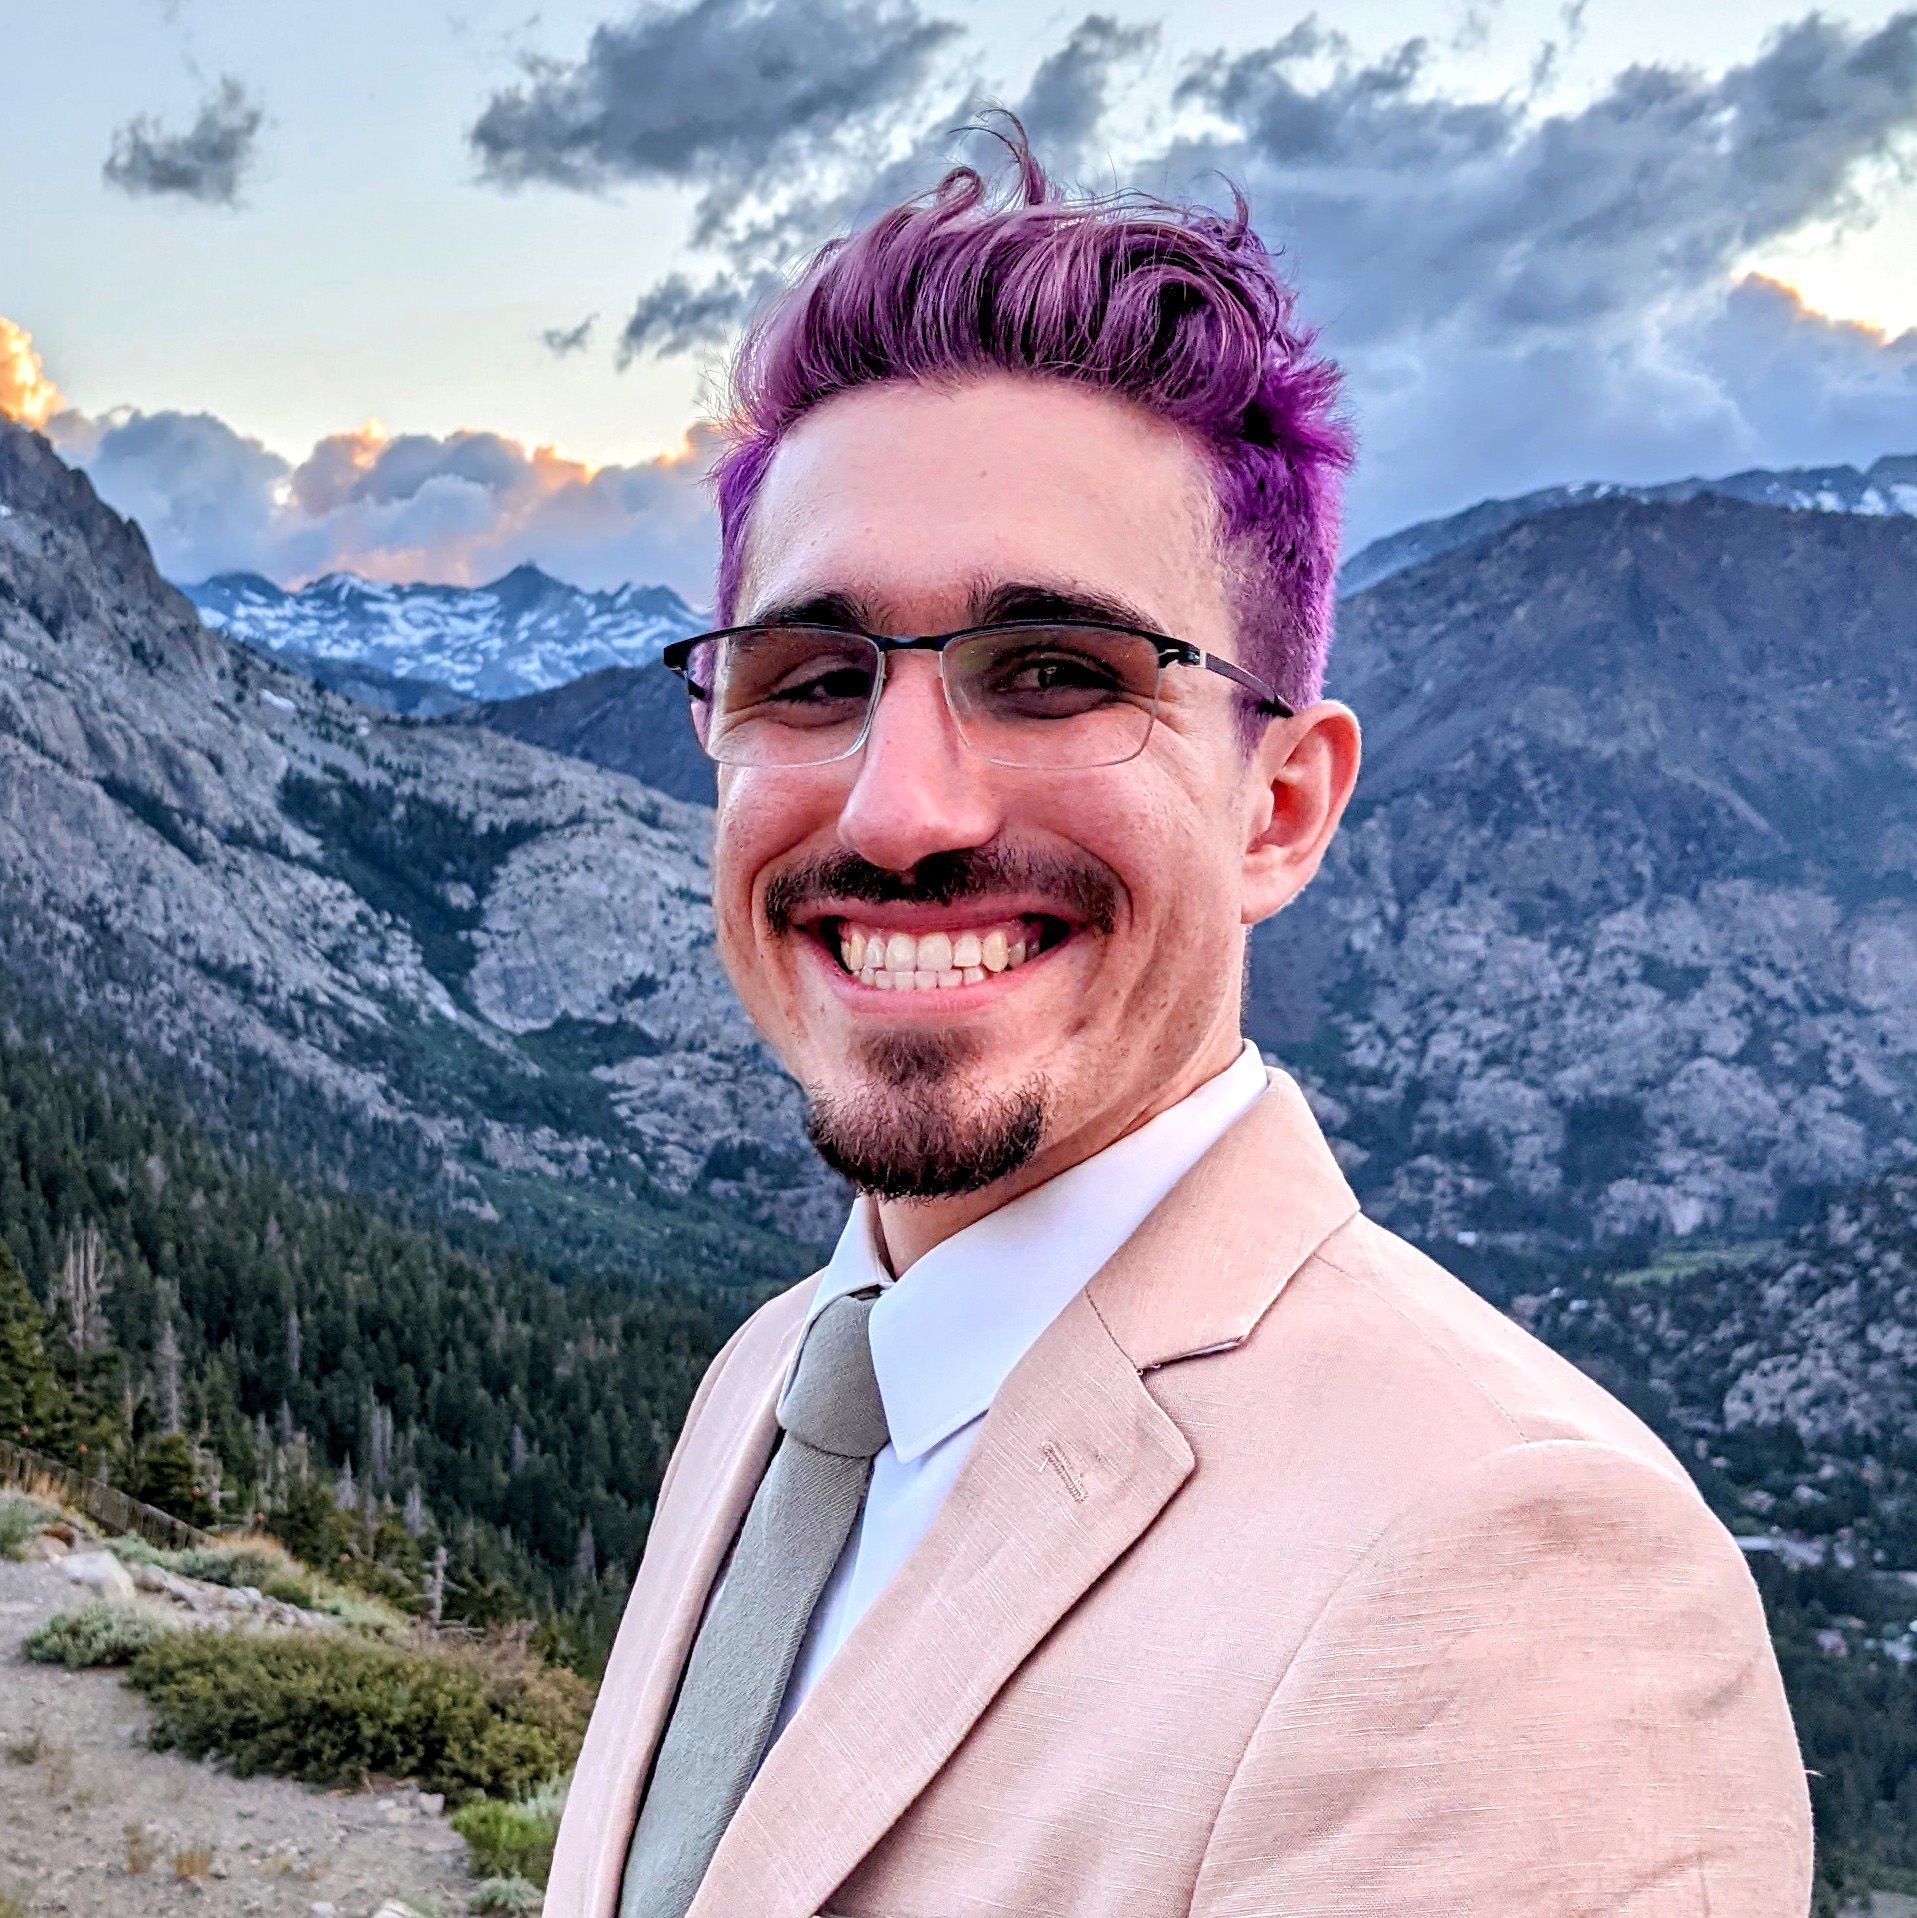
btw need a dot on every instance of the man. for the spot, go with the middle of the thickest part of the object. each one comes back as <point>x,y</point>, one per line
<point>1121,1524</point>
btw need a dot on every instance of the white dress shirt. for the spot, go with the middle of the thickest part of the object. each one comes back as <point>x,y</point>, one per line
<point>946,1336</point>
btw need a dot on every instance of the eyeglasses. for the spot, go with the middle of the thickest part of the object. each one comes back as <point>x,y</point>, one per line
<point>1051,694</point>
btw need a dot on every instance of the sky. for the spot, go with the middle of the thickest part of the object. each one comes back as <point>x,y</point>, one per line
<point>425,288</point>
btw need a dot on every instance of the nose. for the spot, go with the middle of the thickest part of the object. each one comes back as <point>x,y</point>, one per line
<point>918,789</point>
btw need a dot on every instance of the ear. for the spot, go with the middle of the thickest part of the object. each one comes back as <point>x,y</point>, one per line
<point>1298,781</point>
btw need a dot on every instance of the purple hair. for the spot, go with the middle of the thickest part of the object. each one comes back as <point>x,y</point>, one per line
<point>1174,307</point>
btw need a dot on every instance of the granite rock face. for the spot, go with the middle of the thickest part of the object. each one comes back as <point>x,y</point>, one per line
<point>1620,932</point>
<point>491,957</point>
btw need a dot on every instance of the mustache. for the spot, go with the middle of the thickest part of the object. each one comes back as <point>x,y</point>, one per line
<point>1083,888</point>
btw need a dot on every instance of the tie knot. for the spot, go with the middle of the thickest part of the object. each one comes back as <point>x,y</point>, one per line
<point>832,1402</point>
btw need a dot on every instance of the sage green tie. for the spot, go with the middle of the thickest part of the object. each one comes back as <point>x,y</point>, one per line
<point>735,1680</point>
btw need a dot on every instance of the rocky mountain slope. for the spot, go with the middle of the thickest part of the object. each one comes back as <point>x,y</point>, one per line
<point>493,961</point>
<point>520,634</point>
<point>1620,933</point>
<point>1887,486</point>
<point>630,719</point>
<point>1791,1368</point>
<point>1619,938</point>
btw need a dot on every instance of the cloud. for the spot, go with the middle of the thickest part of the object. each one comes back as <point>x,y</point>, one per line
<point>1065,105</point>
<point>26,393</point>
<point>678,317</point>
<point>563,340</point>
<point>762,222</point>
<point>721,88</point>
<point>205,163</point>
<point>1522,298</point>
<point>463,508</point>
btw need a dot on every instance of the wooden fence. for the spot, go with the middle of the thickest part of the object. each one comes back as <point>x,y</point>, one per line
<point>110,1507</point>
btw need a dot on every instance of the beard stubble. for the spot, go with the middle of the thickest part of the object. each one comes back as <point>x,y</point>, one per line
<point>921,1129</point>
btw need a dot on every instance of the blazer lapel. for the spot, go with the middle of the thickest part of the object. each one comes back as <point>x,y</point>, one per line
<point>642,1676</point>
<point>1073,1462</point>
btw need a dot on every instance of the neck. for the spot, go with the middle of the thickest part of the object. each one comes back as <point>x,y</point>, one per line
<point>910,1228</point>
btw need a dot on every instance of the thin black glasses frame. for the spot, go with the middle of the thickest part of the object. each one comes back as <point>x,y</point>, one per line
<point>677,657</point>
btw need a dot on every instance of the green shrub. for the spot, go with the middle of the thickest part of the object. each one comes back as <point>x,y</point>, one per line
<point>291,1591</point>
<point>20,1520</point>
<point>336,1709</point>
<point>98,1633</point>
<point>508,1840</point>
<point>504,1897</point>
<point>231,1567</point>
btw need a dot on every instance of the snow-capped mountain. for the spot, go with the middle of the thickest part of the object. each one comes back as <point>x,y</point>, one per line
<point>1887,487</point>
<point>520,634</point>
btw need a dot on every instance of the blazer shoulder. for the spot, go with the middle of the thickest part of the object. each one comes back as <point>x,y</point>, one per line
<point>1428,1338</point>
<point>758,1349</point>
<point>739,1374</point>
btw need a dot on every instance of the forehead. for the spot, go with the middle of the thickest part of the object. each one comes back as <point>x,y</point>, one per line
<point>912,497</point>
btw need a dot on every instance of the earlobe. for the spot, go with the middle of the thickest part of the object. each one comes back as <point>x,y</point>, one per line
<point>1304,771</point>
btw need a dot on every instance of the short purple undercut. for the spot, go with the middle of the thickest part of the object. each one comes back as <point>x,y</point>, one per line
<point>1173,307</point>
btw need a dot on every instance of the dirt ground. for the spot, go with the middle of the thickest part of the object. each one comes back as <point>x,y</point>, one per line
<point>92,1820</point>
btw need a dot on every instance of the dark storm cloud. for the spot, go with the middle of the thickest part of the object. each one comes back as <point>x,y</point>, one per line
<point>1409,210</point>
<point>677,316</point>
<point>1524,297</point>
<point>1065,106</point>
<point>1064,109</point>
<point>560,341</point>
<point>205,163</point>
<point>720,87</point>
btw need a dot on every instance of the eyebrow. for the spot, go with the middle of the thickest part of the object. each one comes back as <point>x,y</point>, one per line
<point>991,603</point>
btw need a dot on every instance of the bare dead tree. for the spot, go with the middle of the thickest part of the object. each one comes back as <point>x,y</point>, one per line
<point>166,1376</point>
<point>80,1294</point>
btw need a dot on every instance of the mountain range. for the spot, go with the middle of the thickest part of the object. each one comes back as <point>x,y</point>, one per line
<point>522,633</point>
<point>1619,936</point>
<point>1887,486</point>
<point>1618,939</point>
<point>417,948</point>
<point>1620,932</point>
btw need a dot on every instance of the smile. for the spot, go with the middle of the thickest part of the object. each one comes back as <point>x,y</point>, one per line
<point>938,958</point>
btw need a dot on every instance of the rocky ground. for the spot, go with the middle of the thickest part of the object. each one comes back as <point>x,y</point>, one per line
<point>97,1822</point>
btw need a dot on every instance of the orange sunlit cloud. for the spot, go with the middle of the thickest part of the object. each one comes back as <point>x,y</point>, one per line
<point>461,507</point>
<point>1776,283</point>
<point>25,391</point>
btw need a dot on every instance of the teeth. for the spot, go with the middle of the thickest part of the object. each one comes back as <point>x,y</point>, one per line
<point>899,961</point>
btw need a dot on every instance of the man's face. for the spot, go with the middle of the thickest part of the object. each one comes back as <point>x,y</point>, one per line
<point>913,509</point>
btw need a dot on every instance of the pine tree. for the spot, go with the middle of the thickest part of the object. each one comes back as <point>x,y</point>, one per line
<point>30,1395</point>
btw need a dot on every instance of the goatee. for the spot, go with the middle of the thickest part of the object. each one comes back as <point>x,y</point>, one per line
<point>920,1130</point>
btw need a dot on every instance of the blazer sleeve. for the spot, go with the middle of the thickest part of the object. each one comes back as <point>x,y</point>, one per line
<point>1547,1691</point>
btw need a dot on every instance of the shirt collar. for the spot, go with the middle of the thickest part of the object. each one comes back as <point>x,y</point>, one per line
<point>947,1335</point>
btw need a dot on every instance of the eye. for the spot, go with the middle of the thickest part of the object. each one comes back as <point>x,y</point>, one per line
<point>1057,672</point>
<point>816,685</point>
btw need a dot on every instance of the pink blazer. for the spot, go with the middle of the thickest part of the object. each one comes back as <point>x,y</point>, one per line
<point>1287,1577</point>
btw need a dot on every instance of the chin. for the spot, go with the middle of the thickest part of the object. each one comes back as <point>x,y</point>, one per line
<point>915,1124</point>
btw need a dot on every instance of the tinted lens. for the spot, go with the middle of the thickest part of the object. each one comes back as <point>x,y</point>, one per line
<point>783,695</point>
<point>1053,695</point>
